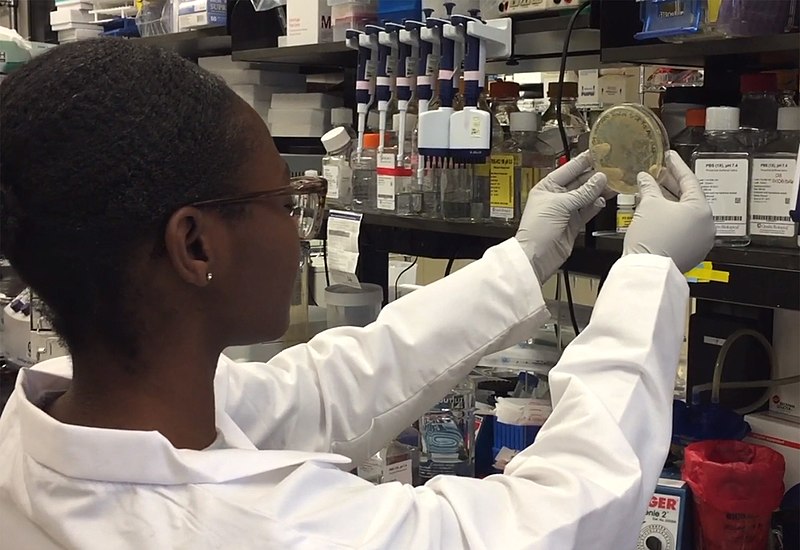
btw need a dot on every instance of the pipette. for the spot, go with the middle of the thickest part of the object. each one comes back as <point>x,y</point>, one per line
<point>383,89</point>
<point>406,72</point>
<point>434,126</point>
<point>367,46</point>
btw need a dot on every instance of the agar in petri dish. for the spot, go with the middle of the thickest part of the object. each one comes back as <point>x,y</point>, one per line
<point>625,140</point>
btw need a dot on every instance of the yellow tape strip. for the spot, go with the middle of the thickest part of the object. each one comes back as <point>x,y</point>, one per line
<point>705,273</point>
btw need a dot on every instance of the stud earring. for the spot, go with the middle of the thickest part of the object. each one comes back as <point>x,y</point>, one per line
<point>209,276</point>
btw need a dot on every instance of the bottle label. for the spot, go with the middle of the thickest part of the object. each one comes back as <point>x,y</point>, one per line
<point>771,197</point>
<point>331,173</point>
<point>387,160</point>
<point>398,471</point>
<point>483,170</point>
<point>386,190</point>
<point>502,187</point>
<point>724,182</point>
<point>624,220</point>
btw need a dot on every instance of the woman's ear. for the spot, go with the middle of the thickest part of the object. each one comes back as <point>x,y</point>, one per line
<point>188,243</point>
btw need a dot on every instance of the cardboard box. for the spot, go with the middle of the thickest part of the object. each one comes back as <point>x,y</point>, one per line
<point>781,435</point>
<point>786,399</point>
<point>308,22</point>
<point>667,522</point>
<point>589,88</point>
<point>193,14</point>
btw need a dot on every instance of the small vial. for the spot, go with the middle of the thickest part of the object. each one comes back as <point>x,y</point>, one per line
<point>336,168</point>
<point>626,204</point>
<point>722,165</point>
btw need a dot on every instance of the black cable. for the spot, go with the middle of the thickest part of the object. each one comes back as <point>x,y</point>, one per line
<point>571,304</point>
<point>561,73</point>
<point>397,281</point>
<point>449,267</point>
<point>325,261</point>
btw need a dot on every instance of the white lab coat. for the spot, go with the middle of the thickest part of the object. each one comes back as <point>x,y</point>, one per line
<point>311,410</point>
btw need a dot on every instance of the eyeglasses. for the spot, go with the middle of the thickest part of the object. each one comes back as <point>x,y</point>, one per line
<point>308,202</point>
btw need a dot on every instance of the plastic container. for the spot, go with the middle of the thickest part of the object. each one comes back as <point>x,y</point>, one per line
<point>687,141</point>
<point>625,140</point>
<point>735,487</point>
<point>626,205</point>
<point>670,20</point>
<point>351,14</point>
<point>336,168</point>
<point>752,17</point>
<point>298,122</point>
<point>351,306</point>
<point>155,18</point>
<point>771,198</point>
<point>722,165</point>
<point>399,10</point>
<point>759,105</point>
<point>364,165</point>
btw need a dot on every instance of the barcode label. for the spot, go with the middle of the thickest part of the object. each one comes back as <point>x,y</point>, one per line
<point>771,218</point>
<point>728,218</point>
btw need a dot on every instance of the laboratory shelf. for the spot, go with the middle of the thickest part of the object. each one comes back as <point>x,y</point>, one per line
<point>332,54</point>
<point>774,51</point>
<point>193,44</point>
<point>759,276</point>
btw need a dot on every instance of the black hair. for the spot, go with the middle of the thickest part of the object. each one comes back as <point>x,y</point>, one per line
<point>100,142</point>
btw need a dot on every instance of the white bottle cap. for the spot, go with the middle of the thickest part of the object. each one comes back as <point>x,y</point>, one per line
<point>626,200</point>
<point>722,118</point>
<point>341,116</point>
<point>335,139</point>
<point>524,121</point>
<point>311,173</point>
<point>789,118</point>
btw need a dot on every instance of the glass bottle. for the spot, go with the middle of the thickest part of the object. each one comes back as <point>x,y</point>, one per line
<point>538,158</point>
<point>688,139</point>
<point>408,188</point>
<point>758,108</point>
<point>772,178</point>
<point>389,177</point>
<point>482,172</point>
<point>722,164</point>
<point>455,181</point>
<point>336,168</point>
<point>364,165</point>
<point>575,125</point>
<point>504,98</point>
<point>448,435</point>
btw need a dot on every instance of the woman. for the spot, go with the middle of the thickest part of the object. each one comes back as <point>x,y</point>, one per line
<point>146,204</point>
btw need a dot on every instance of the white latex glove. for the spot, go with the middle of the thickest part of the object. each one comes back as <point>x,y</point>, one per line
<point>683,230</point>
<point>558,207</point>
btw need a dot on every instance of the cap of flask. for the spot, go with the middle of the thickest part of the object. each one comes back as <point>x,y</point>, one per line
<point>503,88</point>
<point>789,118</point>
<point>372,141</point>
<point>626,200</point>
<point>335,139</point>
<point>524,121</point>
<point>758,82</point>
<point>570,89</point>
<point>695,117</point>
<point>341,116</point>
<point>722,118</point>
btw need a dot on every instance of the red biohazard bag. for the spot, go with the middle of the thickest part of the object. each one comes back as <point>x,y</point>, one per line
<point>736,486</point>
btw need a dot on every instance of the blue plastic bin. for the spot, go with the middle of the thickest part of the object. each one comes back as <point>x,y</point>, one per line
<point>399,10</point>
<point>670,19</point>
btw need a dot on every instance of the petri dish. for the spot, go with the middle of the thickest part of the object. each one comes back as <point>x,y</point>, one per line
<point>628,139</point>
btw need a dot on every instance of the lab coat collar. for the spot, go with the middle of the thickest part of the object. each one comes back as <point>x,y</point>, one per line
<point>128,456</point>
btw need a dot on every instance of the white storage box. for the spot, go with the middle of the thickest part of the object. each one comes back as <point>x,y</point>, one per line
<point>70,26</point>
<point>261,107</point>
<point>221,63</point>
<point>308,22</point>
<point>298,122</point>
<point>265,78</point>
<point>62,16</point>
<point>253,92</point>
<point>780,435</point>
<point>73,35</point>
<point>193,14</point>
<point>305,101</point>
<point>74,5</point>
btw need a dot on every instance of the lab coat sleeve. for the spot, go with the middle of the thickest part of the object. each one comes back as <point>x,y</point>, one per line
<point>351,390</point>
<point>584,483</point>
